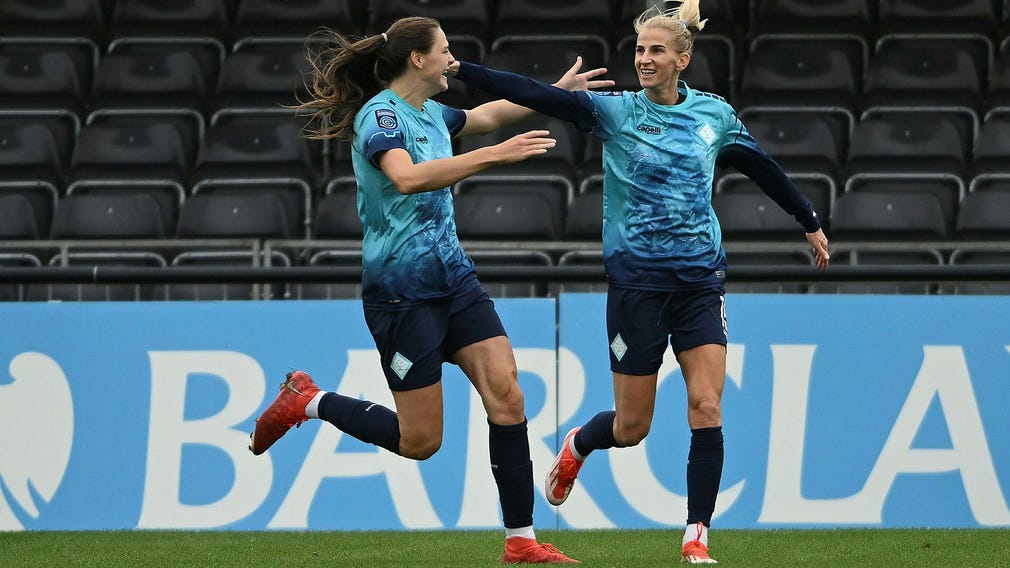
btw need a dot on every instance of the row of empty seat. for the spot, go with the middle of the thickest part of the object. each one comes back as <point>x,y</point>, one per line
<point>486,260</point>
<point>229,19</point>
<point>202,76</point>
<point>519,212</point>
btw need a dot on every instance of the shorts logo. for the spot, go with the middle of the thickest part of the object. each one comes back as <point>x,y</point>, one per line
<point>400,365</point>
<point>619,347</point>
<point>385,118</point>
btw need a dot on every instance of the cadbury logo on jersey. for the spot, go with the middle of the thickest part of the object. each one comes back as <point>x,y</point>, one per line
<point>649,129</point>
<point>421,139</point>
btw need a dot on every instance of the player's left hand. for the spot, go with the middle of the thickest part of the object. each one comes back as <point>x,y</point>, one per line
<point>452,69</point>
<point>820,243</point>
<point>572,80</point>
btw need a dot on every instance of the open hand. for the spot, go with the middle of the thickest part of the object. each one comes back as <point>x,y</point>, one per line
<point>572,80</point>
<point>525,145</point>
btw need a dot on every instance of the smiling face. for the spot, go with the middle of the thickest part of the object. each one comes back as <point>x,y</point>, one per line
<point>658,64</point>
<point>434,63</point>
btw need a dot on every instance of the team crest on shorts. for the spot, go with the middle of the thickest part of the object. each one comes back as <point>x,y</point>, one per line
<point>385,118</point>
<point>400,365</point>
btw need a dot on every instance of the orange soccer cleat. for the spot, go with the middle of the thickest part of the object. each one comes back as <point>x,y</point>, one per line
<point>520,550</point>
<point>695,551</point>
<point>287,410</point>
<point>561,476</point>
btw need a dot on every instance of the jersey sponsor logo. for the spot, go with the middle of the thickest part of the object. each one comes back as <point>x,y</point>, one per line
<point>649,129</point>
<point>421,139</point>
<point>385,118</point>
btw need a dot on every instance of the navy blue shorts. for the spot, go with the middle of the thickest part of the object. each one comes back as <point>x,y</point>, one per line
<point>414,343</point>
<point>640,322</point>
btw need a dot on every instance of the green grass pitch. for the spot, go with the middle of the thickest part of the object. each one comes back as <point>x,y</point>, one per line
<point>988,548</point>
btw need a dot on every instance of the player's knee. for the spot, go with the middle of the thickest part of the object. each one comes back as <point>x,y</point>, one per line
<point>705,412</point>
<point>505,402</point>
<point>631,433</point>
<point>419,448</point>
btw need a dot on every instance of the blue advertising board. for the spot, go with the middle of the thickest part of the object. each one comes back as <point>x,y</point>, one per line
<point>838,411</point>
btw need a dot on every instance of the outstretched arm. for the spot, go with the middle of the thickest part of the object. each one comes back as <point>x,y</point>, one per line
<point>571,106</point>
<point>770,177</point>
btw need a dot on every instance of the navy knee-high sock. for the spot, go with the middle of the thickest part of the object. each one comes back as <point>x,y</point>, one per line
<point>369,422</point>
<point>597,434</point>
<point>704,472</point>
<point>513,473</point>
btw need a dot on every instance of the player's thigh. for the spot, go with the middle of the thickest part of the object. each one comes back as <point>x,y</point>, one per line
<point>635,399</point>
<point>419,412</point>
<point>491,367</point>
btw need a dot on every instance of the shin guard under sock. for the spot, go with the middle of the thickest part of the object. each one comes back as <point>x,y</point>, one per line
<point>513,472</point>
<point>367,421</point>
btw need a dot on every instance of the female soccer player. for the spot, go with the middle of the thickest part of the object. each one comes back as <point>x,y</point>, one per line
<point>662,246</point>
<point>422,300</point>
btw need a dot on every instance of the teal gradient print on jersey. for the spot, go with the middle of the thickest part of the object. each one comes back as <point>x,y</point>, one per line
<point>410,250</point>
<point>660,231</point>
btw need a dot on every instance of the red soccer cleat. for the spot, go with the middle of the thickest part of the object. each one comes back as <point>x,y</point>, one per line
<point>561,476</point>
<point>695,551</point>
<point>287,410</point>
<point>520,550</point>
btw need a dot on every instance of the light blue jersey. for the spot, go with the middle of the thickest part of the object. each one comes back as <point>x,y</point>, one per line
<point>410,251</point>
<point>659,229</point>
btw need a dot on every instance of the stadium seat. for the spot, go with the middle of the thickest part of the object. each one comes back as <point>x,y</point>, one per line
<point>458,17</point>
<point>61,18</point>
<point>293,18</point>
<point>948,16</point>
<point>118,150</point>
<point>167,193</point>
<point>206,18</point>
<point>912,139</point>
<point>753,216</point>
<point>17,218</point>
<point>948,189</point>
<point>35,147</point>
<point>499,259</point>
<point>546,57</point>
<point>507,214</point>
<point>819,189</point>
<point>814,16</point>
<point>984,216</point>
<point>998,92</point>
<point>803,70</point>
<point>867,216</point>
<point>233,216</point>
<point>585,217</point>
<point>992,147</point>
<point>257,143</point>
<point>725,17</point>
<point>933,70</point>
<point>813,140</point>
<point>108,216</point>
<point>262,72</point>
<point>46,73</point>
<point>560,163</point>
<point>550,17</point>
<point>337,217</point>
